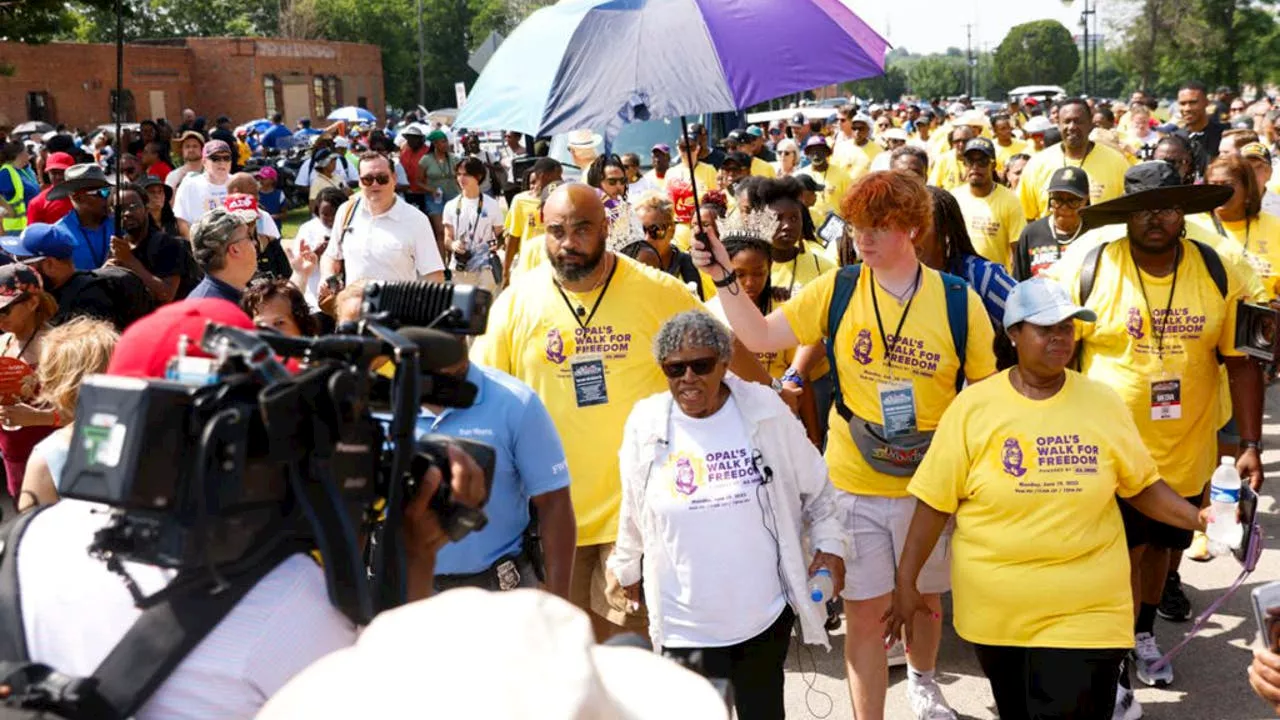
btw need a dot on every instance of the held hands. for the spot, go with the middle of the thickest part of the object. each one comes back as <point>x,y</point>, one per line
<point>422,531</point>
<point>900,617</point>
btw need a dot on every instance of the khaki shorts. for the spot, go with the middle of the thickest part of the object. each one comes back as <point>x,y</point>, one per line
<point>596,590</point>
<point>876,529</point>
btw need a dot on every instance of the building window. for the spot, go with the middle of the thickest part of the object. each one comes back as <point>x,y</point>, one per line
<point>333,91</point>
<point>123,107</point>
<point>39,107</point>
<point>318,109</point>
<point>272,95</point>
<point>362,102</point>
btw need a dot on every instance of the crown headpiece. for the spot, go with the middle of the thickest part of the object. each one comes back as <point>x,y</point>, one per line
<point>760,224</point>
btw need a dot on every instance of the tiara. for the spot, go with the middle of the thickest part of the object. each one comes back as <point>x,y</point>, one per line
<point>760,224</point>
<point>622,231</point>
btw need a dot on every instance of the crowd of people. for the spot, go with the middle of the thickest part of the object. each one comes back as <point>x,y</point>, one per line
<point>914,350</point>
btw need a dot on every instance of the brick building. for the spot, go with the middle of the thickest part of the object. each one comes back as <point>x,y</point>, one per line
<point>244,78</point>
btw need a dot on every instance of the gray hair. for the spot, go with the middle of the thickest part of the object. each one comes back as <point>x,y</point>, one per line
<point>211,236</point>
<point>693,329</point>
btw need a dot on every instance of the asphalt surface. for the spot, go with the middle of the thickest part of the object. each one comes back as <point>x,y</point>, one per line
<point>1209,675</point>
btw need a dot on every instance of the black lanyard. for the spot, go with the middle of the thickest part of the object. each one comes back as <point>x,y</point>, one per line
<point>457,219</point>
<point>577,313</point>
<point>98,260</point>
<point>1173,288</point>
<point>897,333</point>
<point>1088,149</point>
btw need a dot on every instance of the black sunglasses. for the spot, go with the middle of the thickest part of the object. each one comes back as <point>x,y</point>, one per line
<point>655,230</point>
<point>381,179</point>
<point>701,366</point>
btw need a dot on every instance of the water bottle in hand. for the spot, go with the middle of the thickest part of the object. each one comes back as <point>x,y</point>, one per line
<point>820,586</point>
<point>1224,496</point>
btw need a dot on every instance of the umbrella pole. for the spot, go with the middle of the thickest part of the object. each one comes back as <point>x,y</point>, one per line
<point>693,180</point>
<point>119,100</point>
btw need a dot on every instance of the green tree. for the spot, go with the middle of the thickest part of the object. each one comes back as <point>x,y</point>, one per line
<point>42,20</point>
<point>937,76</point>
<point>889,86</point>
<point>95,20</point>
<point>1034,53</point>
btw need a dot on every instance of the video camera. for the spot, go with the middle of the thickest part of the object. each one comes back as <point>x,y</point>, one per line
<point>211,469</point>
<point>1258,331</point>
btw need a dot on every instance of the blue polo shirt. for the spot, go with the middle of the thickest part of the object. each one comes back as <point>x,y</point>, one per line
<point>93,247</point>
<point>212,287</point>
<point>530,462</point>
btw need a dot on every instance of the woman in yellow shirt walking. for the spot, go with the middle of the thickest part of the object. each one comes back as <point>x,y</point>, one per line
<point>1241,218</point>
<point>1029,463</point>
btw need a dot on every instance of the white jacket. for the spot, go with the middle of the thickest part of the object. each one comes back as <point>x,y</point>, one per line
<point>799,490</point>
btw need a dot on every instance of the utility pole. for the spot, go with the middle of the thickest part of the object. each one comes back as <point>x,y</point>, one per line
<point>968,59</point>
<point>422,83</point>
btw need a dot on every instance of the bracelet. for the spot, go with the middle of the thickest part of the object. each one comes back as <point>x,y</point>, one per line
<point>1251,445</point>
<point>726,281</point>
<point>793,376</point>
<point>776,385</point>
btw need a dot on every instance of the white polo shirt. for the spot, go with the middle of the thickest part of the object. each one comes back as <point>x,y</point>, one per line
<point>398,245</point>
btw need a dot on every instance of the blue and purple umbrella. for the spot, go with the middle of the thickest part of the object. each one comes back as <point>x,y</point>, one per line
<point>593,63</point>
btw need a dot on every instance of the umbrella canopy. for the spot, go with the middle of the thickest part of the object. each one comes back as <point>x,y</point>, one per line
<point>32,127</point>
<point>353,114</point>
<point>591,63</point>
<point>259,126</point>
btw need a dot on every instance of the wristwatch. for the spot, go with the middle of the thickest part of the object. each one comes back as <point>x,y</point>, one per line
<point>776,385</point>
<point>793,376</point>
<point>1251,445</point>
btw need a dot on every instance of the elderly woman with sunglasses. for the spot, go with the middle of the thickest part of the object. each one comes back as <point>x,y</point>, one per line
<point>788,158</point>
<point>718,480</point>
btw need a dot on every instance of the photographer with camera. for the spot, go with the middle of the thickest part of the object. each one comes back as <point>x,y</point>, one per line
<point>74,609</point>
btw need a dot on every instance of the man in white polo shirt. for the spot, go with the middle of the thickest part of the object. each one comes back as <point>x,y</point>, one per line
<point>378,236</point>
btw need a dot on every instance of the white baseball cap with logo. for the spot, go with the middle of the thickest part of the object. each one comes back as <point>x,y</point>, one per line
<point>1042,302</point>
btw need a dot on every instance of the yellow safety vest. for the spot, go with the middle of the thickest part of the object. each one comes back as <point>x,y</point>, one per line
<point>19,202</point>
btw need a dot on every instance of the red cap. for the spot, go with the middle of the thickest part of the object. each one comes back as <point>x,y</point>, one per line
<point>147,346</point>
<point>59,161</point>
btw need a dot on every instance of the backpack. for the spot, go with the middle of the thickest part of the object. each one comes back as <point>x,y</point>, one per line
<point>957,293</point>
<point>135,668</point>
<point>688,272</point>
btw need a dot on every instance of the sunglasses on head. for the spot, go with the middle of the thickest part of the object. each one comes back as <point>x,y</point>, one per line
<point>700,367</point>
<point>380,178</point>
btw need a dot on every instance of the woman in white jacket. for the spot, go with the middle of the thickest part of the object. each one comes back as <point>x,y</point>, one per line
<point>718,478</point>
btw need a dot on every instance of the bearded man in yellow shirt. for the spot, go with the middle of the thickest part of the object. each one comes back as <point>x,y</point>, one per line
<point>1166,308</point>
<point>577,329</point>
<point>1104,166</point>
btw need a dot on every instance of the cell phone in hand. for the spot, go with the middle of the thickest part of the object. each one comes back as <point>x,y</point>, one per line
<point>1248,515</point>
<point>1266,611</point>
<point>334,284</point>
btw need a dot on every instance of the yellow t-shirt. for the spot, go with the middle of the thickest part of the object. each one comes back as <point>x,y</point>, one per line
<point>836,181</point>
<point>1038,558</point>
<point>789,278</point>
<point>1105,166</point>
<point>523,219</point>
<point>852,159</point>
<point>1259,238</point>
<point>684,236</point>
<point>660,182</point>
<point>923,355</point>
<point>1004,153</point>
<point>774,363</point>
<point>760,168</point>
<point>947,172</point>
<point>1121,350</point>
<point>995,222</point>
<point>705,175</point>
<point>533,253</point>
<point>535,336</point>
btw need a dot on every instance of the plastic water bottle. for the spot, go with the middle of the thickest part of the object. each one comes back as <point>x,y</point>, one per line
<point>820,586</point>
<point>1224,494</point>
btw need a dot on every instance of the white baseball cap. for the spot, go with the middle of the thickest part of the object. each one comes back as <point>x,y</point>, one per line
<point>468,653</point>
<point>1042,302</point>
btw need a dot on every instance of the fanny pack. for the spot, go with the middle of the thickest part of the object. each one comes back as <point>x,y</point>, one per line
<point>898,457</point>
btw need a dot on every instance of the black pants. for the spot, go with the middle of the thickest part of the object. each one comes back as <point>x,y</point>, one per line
<point>1051,683</point>
<point>754,667</point>
<point>418,200</point>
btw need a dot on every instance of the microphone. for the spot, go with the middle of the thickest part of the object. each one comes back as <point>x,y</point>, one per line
<point>462,309</point>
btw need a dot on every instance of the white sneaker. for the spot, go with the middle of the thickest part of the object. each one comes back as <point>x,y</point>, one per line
<point>926,700</point>
<point>1127,705</point>
<point>1147,653</point>
<point>897,655</point>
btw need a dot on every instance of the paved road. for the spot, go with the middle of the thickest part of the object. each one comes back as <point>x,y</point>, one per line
<point>1209,682</point>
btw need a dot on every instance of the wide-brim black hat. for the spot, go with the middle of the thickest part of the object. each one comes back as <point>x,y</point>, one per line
<point>1154,185</point>
<point>86,176</point>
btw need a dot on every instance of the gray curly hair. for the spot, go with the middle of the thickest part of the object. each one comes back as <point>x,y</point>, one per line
<point>693,329</point>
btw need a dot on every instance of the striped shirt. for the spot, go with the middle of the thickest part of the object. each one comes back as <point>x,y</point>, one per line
<point>990,280</point>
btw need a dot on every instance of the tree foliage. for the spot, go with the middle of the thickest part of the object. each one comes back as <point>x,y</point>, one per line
<point>938,76</point>
<point>42,20</point>
<point>1036,53</point>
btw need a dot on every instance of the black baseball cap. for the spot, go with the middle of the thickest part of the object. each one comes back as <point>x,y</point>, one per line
<point>982,145</point>
<point>1070,180</point>
<point>739,159</point>
<point>809,183</point>
<point>799,119</point>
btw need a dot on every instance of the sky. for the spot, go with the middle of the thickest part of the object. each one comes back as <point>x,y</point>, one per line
<point>926,26</point>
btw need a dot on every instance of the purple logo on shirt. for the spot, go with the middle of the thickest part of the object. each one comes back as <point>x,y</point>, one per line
<point>686,477</point>
<point>555,346</point>
<point>1134,325</point>
<point>1011,458</point>
<point>862,347</point>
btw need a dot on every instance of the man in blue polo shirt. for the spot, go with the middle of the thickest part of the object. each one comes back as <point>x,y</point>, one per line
<point>530,466</point>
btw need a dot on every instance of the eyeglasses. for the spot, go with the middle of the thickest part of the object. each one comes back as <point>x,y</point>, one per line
<point>614,181</point>
<point>700,367</point>
<point>1160,215</point>
<point>102,192</point>
<point>380,178</point>
<point>220,158</point>
<point>656,230</point>
<point>130,207</point>
<point>787,152</point>
<point>978,161</point>
<point>1074,202</point>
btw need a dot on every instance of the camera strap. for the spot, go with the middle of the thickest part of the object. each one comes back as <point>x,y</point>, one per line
<point>13,636</point>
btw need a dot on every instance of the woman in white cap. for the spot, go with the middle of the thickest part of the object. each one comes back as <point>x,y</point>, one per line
<point>1029,464</point>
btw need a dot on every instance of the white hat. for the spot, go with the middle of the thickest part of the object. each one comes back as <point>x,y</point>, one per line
<point>973,118</point>
<point>1041,301</point>
<point>468,653</point>
<point>584,138</point>
<point>1037,125</point>
<point>895,133</point>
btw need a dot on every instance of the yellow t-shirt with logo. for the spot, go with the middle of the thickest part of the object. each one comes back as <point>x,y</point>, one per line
<point>1122,351</point>
<point>947,171</point>
<point>533,335</point>
<point>523,218</point>
<point>836,182</point>
<point>995,222</point>
<point>1259,239</point>
<point>705,175</point>
<point>1038,558</point>
<point>1105,166</point>
<point>1004,153</point>
<point>923,355</point>
<point>788,278</point>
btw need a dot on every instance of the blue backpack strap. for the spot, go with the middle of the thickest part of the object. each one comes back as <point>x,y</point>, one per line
<point>846,285</point>
<point>957,291</point>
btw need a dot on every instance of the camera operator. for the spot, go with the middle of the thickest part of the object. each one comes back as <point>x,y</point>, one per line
<point>75,610</point>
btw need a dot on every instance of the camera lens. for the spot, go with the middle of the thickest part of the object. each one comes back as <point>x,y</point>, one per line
<point>1264,331</point>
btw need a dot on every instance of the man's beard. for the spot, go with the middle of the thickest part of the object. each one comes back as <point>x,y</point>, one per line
<point>576,266</point>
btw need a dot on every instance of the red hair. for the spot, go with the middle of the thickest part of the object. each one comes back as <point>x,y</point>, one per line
<point>888,199</point>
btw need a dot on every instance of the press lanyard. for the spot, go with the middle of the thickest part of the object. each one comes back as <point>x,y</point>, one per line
<point>577,313</point>
<point>1173,288</point>
<point>897,333</point>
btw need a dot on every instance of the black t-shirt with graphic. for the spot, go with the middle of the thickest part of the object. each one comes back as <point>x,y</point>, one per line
<point>1038,248</point>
